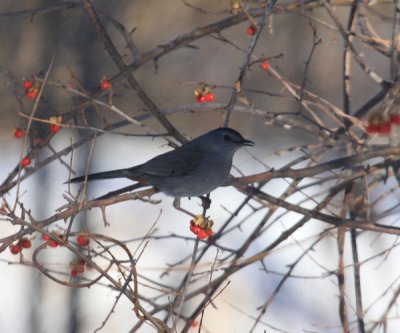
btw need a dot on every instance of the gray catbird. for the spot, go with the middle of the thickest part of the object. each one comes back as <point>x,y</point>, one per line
<point>193,169</point>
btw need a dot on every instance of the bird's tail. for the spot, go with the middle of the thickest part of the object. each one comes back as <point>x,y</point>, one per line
<point>121,173</point>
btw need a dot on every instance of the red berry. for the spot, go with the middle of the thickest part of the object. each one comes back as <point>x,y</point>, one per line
<point>53,243</point>
<point>15,248</point>
<point>105,84</point>
<point>25,162</point>
<point>210,97</point>
<point>19,133</point>
<point>54,128</point>
<point>25,243</point>
<point>385,128</point>
<point>395,119</point>
<point>45,237</point>
<point>251,30</point>
<point>202,234</point>
<point>32,93</point>
<point>209,232</point>
<point>201,99</point>
<point>27,84</point>
<point>74,272</point>
<point>81,267</point>
<point>194,228</point>
<point>77,266</point>
<point>372,129</point>
<point>83,240</point>
<point>265,65</point>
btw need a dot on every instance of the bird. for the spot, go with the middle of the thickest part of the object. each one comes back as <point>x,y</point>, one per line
<point>192,170</point>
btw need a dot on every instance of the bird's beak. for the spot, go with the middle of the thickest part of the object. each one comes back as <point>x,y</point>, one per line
<point>247,143</point>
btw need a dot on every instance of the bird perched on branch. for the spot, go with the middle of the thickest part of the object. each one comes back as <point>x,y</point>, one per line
<point>191,170</point>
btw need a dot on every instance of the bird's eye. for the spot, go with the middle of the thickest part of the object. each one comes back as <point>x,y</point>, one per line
<point>227,138</point>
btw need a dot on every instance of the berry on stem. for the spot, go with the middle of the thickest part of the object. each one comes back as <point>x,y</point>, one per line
<point>19,133</point>
<point>379,123</point>
<point>25,243</point>
<point>15,248</point>
<point>25,162</point>
<point>265,65</point>
<point>201,99</point>
<point>54,128</point>
<point>77,267</point>
<point>251,30</point>
<point>202,234</point>
<point>105,84</point>
<point>83,240</point>
<point>209,97</point>
<point>27,84</point>
<point>203,94</point>
<point>53,243</point>
<point>32,93</point>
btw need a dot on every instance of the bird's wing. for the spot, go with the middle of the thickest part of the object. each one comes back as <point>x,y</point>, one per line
<point>170,164</point>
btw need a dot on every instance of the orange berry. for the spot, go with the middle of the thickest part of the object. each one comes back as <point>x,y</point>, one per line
<point>265,65</point>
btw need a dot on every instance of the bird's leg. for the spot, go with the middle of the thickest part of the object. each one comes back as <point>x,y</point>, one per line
<point>205,202</point>
<point>177,205</point>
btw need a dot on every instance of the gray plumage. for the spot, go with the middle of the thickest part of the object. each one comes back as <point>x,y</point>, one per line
<point>193,169</point>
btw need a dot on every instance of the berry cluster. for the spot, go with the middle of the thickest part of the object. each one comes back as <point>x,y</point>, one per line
<point>204,95</point>
<point>201,226</point>
<point>31,89</point>
<point>382,124</point>
<point>77,267</point>
<point>52,242</point>
<point>23,243</point>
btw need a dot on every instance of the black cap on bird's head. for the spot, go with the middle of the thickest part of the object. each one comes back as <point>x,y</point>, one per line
<point>227,137</point>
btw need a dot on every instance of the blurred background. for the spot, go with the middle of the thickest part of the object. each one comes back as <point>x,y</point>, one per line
<point>30,36</point>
